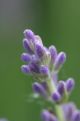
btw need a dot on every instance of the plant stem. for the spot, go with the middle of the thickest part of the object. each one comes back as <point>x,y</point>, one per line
<point>58,109</point>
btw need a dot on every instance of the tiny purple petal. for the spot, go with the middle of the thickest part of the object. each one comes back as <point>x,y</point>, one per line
<point>34,59</point>
<point>70,84</point>
<point>26,57</point>
<point>29,34</point>
<point>68,110</point>
<point>38,88</point>
<point>45,115</point>
<point>56,96</point>
<point>60,59</point>
<point>53,53</point>
<point>39,50</point>
<point>61,87</point>
<point>26,45</point>
<point>44,70</point>
<point>34,67</point>
<point>25,69</point>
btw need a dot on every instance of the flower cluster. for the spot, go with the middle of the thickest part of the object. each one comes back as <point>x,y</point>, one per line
<point>43,64</point>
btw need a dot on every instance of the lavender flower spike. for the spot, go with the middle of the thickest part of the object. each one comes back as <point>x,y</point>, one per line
<point>59,60</point>
<point>43,64</point>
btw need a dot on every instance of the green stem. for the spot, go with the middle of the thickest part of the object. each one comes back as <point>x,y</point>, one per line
<point>58,108</point>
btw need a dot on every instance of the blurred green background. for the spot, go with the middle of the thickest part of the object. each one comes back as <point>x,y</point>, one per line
<point>58,23</point>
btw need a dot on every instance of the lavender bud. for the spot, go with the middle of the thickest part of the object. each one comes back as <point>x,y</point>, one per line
<point>61,87</point>
<point>70,84</point>
<point>53,53</point>
<point>26,45</point>
<point>59,60</point>
<point>39,50</point>
<point>25,69</point>
<point>45,115</point>
<point>38,88</point>
<point>26,57</point>
<point>76,116</point>
<point>56,96</point>
<point>34,59</point>
<point>44,70</point>
<point>34,67</point>
<point>68,110</point>
<point>29,34</point>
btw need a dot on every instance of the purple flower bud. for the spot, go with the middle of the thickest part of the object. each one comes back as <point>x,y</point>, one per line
<point>76,116</point>
<point>53,53</point>
<point>61,87</point>
<point>44,70</point>
<point>34,59</point>
<point>26,57</point>
<point>38,88</point>
<point>68,110</point>
<point>26,45</point>
<point>70,84</point>
<point>56,96</point>
<point>59,60</point>
<point>39,50</point>
<point>34,67</point>
<point>47,116</point>
<point>25,69</point>
<point>29,34</point>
